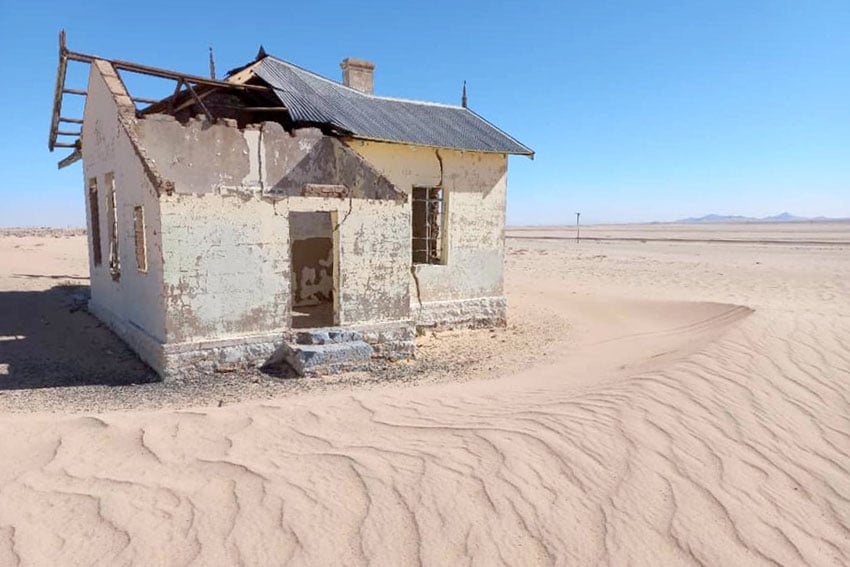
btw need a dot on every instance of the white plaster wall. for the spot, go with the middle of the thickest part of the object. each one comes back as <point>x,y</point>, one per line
<point>227,272</point>
<point>228,269</point>
<point>373,256</point>
<point>475,187</point>
<point>200,157</point>
<point>226,234</point>
<point>136,299</point>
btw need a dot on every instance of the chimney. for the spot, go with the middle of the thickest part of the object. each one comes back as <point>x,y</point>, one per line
<point>357,74</point>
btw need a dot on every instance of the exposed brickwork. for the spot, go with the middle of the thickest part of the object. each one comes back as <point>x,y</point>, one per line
<point>330,191</point>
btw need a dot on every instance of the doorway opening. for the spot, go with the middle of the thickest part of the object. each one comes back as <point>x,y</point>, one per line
<point>313,255</point>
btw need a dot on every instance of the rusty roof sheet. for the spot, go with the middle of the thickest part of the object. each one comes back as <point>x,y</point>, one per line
<point>314,99</point>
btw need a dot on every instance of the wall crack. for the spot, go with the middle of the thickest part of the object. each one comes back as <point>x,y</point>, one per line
<point>416,282</point>
<point>260,162</point>
<point>347,214</point>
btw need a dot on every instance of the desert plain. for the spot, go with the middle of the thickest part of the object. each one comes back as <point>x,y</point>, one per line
<point>662,395</point>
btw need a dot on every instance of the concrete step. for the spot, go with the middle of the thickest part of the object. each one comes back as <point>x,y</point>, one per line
<point>335,349</point>
<point>327,336</point>
<point>327,357</point>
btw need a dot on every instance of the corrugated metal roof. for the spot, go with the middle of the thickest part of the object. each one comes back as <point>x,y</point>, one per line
<point>312,98</point>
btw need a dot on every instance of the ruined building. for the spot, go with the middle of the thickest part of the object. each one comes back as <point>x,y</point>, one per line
<point>277,214</point>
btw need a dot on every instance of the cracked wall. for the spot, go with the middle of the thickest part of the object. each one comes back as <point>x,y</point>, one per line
<point>226,226</point>
<point>475,186</point>
<point>217,205</point>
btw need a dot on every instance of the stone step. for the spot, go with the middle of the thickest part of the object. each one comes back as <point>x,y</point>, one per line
<point>328,357</point>
<point>327,336</point>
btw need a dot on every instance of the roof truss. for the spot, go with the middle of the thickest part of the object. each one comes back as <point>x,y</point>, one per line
<point>196,86</point>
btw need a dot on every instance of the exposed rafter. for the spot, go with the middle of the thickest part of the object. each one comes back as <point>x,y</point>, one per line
<point>191,83</point>
<point>60,90</point>
<point>73,158</point>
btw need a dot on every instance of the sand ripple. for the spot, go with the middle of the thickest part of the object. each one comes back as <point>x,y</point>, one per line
<point>696,434</point>
<point>726,457</point>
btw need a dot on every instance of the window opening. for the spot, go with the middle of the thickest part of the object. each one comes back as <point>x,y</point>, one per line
<point>112,214</point>
<point>94,213</point>
<point>139,229</point>
<point>428,234</point>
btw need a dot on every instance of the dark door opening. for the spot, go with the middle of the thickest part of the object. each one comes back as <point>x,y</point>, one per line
<point>312,253</point>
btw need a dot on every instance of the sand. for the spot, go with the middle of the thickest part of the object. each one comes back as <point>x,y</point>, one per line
<point>654,402</point>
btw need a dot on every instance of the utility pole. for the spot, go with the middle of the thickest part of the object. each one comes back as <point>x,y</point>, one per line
<point>578,229</point>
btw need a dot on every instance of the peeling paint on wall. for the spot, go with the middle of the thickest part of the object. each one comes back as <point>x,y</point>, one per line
<point>475,188</point>
<point>228,241</point>
<point>222,229</point>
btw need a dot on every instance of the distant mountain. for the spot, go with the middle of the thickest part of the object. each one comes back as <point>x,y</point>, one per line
<point>781,217</point>
<point>784,217</point>
<point>717,218</point>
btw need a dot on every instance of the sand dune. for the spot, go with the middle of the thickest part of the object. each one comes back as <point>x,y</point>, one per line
<point>696,411</point>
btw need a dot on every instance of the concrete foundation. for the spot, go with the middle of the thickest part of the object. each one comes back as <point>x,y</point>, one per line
<point>325,350</point>
<point>463,313</point>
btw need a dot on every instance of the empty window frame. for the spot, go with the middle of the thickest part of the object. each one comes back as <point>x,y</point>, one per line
<point>94,214</point>
<point>139,230</point>
<point>112,219</point>
<point>428,234</point>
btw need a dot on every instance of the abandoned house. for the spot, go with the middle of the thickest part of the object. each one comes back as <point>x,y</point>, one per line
<point>276,214</point>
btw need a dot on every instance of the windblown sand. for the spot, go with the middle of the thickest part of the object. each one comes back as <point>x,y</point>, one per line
<point>654,402</point>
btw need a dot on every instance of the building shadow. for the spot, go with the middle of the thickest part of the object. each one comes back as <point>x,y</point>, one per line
<point>48,340</point>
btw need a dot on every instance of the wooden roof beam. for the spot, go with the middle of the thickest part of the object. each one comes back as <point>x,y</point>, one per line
<point>73,158</point>
<point>164,73</point>
<point>57,93</point>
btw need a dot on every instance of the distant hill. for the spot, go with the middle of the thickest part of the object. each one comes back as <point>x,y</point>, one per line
<point>717,218</point>
<point>782,217</point>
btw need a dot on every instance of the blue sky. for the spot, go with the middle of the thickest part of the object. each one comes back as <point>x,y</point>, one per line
<point>638,111</point>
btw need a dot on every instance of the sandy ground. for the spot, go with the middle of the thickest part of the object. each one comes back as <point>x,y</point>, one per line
<point>653,402</point>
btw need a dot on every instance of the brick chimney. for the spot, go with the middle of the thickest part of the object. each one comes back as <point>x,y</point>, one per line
<point>357,74</point>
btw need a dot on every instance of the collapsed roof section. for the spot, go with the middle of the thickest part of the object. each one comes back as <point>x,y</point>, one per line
<point>187,85</point>
<point>270,89</point>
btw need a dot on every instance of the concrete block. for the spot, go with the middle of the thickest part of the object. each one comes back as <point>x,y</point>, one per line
<point>327,336</point>
<point>462,314</point>
<point>333,357</point>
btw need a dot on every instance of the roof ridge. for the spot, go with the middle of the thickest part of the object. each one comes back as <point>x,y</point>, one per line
<point>360,93</point>
<point>415,101</point>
